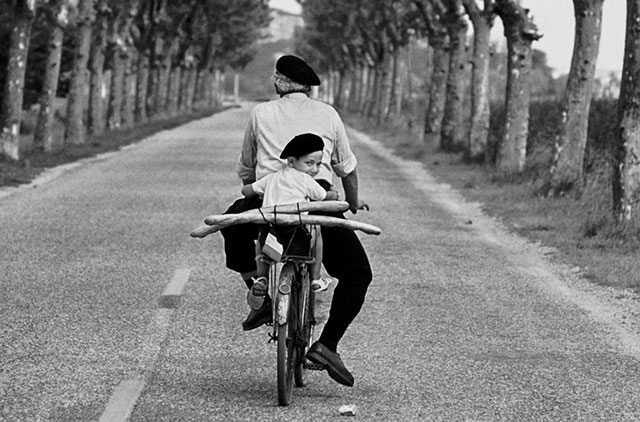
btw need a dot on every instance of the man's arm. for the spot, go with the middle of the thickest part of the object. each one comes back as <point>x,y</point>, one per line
<point>246,166</point>
<point>350,185</point>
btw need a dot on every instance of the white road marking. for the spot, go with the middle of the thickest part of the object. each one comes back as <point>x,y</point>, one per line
<point>122,400</point>
<point>172,295</point>
<point>126,394</point>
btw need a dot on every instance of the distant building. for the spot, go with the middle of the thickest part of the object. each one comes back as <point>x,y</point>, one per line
<point>283,25</point>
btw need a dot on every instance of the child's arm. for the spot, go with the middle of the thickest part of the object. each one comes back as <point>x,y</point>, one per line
<point>332,195</point>
<point>247,190</point>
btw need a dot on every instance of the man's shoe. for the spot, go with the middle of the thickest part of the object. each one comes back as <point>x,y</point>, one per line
<point>318,353</point>
<point>258,317</point>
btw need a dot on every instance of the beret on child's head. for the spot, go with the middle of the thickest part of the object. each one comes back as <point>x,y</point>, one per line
<point>303,144</point>
<point>297,70</point>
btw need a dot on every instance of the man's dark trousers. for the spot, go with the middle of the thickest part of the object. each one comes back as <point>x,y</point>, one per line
<point>344,258</point>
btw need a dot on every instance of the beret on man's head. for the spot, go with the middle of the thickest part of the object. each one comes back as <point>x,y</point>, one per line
<point>297,70</point>
<point>303,144</point>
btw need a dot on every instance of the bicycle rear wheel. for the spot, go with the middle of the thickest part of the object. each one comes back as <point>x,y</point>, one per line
<point>286,338</point>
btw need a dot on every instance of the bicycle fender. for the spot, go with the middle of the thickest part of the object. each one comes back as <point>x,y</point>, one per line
<point>282,308</point>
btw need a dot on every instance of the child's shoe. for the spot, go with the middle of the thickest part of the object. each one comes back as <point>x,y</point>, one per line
<point>321,284</point>
<point>257,293</point>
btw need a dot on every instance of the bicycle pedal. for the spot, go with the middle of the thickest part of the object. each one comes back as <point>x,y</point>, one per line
<point>314,366</point>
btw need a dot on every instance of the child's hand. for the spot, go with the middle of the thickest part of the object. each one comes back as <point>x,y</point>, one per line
<point>361,206</point>
<point>333,195</point>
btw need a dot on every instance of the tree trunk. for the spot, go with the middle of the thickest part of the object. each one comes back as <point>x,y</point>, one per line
<point>366,92</point>
<point>453,119</point>
<point>362,90</point>
<point>129,91</point>
<point>43,135</point>
<point>212,98</point>
<point>114,120</point>
<point>142,82</point>
<point>97,120</point>
<point>383,90</point>
<point>14,87</point>
<point>174,91</point>
<point>169,48</point>
<point>75,132</point>
<point>356,86</point>
<point>566,169</point>
<point>478,136</point>
<point>520,33</point>
<point>153,103</point>
<point>191,87</point>
<point>626,148</point>
<point>394,82</point>
<point>374,101</point>
<point>219,78</point>
<point>437,94</point>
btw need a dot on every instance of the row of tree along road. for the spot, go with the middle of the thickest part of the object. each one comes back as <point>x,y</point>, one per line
<point>121,62</point>
<point>117,62</point>
<point>363,46</point>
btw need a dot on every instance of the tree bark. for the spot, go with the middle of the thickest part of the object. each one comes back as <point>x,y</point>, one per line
<point>174,91</point>
<point>453,118</point>
<point>364,87</point>
<point>75,131</point>
<point>478,136</point>
<point>97,118</point>
<point>356,86</point>
<point>520,32</point>
<point>14,86</point>
<point>566,169</point>
<point>383,90</point>
<point>114,119</point>
<point>626,147</point>
<point>142,82</point>
<point>368,89</point>
<point>192,75</point>
<point>129,90</point>
<point>374,101</point>
<point>168,50</point>
<point>396,85</point>
<point>437,93</point>
<point>43,134</point>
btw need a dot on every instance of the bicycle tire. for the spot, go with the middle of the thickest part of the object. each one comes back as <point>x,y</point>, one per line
<point>286,335</point>
<point>306,325</point>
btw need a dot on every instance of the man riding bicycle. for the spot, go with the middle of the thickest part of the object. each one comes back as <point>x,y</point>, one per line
<point>271,126</point>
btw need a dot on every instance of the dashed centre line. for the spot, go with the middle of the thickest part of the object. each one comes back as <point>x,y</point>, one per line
<point>172,295</point>
<point>126,394</point>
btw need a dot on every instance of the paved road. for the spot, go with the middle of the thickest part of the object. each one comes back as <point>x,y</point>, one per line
<point>462,323</point>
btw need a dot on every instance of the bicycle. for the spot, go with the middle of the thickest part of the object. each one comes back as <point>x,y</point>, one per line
<point>292,299</point>
<point>293,316</point>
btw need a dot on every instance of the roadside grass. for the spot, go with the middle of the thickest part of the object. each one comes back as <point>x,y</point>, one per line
<point>579,227</point>
<point>34,161</point>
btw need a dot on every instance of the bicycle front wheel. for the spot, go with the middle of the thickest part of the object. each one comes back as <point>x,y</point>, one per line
<point>286,339</point>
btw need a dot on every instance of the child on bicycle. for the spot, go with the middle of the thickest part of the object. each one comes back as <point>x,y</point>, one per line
<point>292,184</point>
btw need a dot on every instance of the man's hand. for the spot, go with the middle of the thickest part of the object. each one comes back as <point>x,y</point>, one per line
<point>360,206</point>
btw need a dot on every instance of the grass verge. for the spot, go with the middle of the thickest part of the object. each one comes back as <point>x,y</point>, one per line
<point>579,228</point>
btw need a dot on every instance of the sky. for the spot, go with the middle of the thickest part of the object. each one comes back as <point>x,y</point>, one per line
<point>555,21</point>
